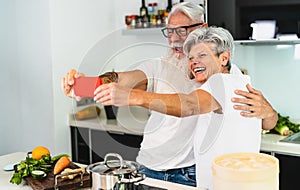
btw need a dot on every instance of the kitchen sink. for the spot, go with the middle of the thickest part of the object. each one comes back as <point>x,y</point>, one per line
<point>294,138</point>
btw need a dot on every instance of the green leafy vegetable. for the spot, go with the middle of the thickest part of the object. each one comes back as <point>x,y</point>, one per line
<point>282,130</point>
<point>56,158</point>
<point>16,178</point>
<point>27,166</point>
<point>284,126</point>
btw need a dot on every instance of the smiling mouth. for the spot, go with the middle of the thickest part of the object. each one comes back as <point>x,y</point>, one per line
<point>178,49</point>
<point>199,69</point>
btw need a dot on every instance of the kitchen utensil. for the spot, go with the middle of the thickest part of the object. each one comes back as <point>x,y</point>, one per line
<point>117,174</point>
<point>245,170</point>
<point>10,167</point>
<point>52,182</point>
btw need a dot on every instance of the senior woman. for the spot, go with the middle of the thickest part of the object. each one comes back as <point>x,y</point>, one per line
<point>220,128</point>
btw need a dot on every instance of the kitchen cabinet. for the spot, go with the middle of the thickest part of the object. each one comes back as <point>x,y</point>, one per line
<point>92,139</point>
<point>266,152</point>
<point>90,145</point>
<point>236,15</point>
<point>80,145</point>
<point>288,155</point>
<point>103,142</point>
<point>288,169</point>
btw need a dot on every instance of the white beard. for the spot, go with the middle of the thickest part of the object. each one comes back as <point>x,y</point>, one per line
<point>182,64</point>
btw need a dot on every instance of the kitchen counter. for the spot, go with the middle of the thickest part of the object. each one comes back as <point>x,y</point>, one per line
<point>269,143</point>
<point>16,157</point>
<point>129,125</point>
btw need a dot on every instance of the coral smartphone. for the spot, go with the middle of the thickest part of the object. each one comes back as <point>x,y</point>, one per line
<point>85,86</point>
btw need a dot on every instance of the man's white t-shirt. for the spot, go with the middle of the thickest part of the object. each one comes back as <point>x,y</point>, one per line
<point>228,132</point>
<point>168,140</point>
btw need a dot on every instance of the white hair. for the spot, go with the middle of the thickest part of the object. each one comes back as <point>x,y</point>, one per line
<point>220,37</point>
<point>194,11</point>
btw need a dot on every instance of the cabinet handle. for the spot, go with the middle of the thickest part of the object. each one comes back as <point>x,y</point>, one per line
<point>116,132</point>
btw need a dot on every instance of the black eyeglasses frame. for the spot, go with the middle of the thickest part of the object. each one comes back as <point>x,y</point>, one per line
<point>185,27</point>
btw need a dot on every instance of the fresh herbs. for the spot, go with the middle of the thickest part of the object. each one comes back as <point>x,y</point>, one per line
<point>285,127</point>
<point>27,166</point>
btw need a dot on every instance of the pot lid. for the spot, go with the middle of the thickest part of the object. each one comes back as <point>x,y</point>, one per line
<point>113,167</point>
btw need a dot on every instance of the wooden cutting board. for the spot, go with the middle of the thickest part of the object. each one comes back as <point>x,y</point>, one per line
<point>48,183</point>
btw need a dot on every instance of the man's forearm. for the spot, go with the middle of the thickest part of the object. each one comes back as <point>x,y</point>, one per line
<point>109,77</point>
<point>133,79</point>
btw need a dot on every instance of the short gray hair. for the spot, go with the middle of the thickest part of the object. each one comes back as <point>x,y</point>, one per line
<point>193,11</point>
<point>220,37</point>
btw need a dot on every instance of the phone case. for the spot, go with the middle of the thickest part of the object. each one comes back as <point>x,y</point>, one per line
<point>85,86</point>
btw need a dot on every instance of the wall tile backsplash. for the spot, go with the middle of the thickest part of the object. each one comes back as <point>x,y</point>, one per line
<point>275,70</point>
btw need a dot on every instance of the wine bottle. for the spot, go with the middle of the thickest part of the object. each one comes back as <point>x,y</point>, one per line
<point>169,7</point>
<point>143,9</point>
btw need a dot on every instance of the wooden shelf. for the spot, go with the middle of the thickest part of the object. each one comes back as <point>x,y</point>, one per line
<point>142,31</point>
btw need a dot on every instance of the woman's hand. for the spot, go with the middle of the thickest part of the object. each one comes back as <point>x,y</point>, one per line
<point>67,83</point>
<point>256,105</point>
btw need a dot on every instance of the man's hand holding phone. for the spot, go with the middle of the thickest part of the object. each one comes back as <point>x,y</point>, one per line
<point>77,85</point>
<point>67,82</point>
<point>74,85</point>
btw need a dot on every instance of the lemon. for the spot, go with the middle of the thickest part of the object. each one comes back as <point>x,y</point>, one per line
<point>39,151</point>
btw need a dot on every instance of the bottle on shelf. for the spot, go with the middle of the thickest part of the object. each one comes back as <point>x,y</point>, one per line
<point>133,21</point>
<point>155,8</point>
<point>143,9</point>
<point>153,20</point>
<point>139,22</point>
<point>169,7</point>
<point>150,8</point>
<point>145,21</point>
<point>158,20</point>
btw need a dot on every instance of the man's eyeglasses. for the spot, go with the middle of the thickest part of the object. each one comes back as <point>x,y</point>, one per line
<point>181,31</point>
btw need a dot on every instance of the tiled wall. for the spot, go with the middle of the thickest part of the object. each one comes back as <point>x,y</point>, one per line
<point>275,70</point>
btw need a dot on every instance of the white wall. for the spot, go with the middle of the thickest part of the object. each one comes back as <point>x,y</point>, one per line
<point>40,42</point>
<point>75,26</point>
<point>78,28</point>
<point>26,76</point>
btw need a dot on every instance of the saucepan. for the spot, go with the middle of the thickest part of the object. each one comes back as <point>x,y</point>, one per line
<point>114,174</point>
